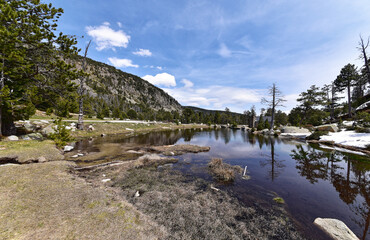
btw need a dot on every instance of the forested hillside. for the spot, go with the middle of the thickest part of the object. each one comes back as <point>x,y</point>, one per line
<point>112,93</point>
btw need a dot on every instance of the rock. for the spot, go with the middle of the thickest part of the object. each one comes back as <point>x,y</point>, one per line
<point>265,131</point>
<point>103,135</point>
<point>12,138</point>
<point>105,180</point>
<point>90,128</point>
<point>80,154</point>
<point>328,127</point>
<point>129,129</point>
<point>41,159</point>
<point>75,156</point>
<point>35,136</point>
<point>335,228</point>
<point>28,127</point>
<point>48,130</point>
<point>137,194</point>
<point>25,137</point>
<point>68,148</point>
<point>294,130</point>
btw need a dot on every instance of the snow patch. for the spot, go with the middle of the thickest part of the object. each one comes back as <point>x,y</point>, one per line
<point>348,138</point>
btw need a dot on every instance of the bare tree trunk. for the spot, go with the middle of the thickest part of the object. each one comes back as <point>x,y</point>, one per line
<point>349,100</point>
<point>2,80</point>
<point>80,124</point>
<point>273,106</point>
<point>363,48</point>
<point>332,102</point>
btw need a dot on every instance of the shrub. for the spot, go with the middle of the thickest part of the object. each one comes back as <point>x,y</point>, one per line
<point>223,171</point>
<point>62,135</point>
<point>316,135</point>
<point>364,117</point>
<point>49,111</point>
<point>132,114</point>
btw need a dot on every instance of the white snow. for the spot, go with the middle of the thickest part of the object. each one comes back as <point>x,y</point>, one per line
<point>364,105</point>
<point>303,135</point>
<point>348,123</point>
<point>342,150</point>
<point>348,138</point>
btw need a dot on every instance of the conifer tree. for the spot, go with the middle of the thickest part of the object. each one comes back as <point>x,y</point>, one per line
<point>32,62</point>
<point>345,80</point>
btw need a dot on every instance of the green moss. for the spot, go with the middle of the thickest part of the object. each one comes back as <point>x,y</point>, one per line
<point>279,200</point>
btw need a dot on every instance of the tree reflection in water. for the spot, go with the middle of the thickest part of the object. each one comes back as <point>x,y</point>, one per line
<point>276,165</point>
<point>352,182</point>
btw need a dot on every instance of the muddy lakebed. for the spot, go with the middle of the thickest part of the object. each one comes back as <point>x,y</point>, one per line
<point>183,196</point>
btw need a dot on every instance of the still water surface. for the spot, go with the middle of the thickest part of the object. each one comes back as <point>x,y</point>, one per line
<point>313,182</point>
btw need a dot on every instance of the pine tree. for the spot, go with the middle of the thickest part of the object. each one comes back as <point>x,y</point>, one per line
<point>31,60</point>
<point>345,80</point>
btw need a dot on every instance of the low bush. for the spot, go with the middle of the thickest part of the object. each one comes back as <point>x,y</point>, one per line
<point>223,171</point>
<point>62,135</point>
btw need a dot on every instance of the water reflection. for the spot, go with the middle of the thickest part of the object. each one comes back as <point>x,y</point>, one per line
<point>351,181</point>
<point>277,165</point>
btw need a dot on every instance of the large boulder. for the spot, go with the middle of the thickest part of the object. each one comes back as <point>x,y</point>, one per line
<point>12,138</point>
<point>35,136</point>
<point>328,127</point>
<point>48,130</point>
<point>294,130</point>
<point>335,228</point>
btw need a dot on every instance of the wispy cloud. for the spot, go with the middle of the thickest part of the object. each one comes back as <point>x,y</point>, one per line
<point>107,38</point>
<point>143,52</point>
<point>187,83</point>
<point>122,63</point>
<point>224,51</point>
<point>217,97</point>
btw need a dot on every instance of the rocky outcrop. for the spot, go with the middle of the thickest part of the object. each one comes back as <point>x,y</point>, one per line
<point>328,128</point>
<point>289,129</point>
<point>128,91</point>
<point>336,229</point>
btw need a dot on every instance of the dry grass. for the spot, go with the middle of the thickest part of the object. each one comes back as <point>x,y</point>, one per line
<point>189,209</point>
<point>120,128</point>
<point>30,150</point>
<point>46,201</point>
<point>179,149</point>
<point>223,171</point>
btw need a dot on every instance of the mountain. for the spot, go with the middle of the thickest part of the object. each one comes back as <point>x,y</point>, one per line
<point>108,87</point>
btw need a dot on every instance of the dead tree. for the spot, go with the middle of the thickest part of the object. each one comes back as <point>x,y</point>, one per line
<point>81,91</point>
<point>276,101</point>
<point>363,56</point>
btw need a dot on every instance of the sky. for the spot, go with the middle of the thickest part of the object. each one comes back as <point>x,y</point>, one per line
<point>215,54</point>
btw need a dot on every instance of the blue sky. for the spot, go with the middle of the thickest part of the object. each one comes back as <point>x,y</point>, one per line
<point>216,54</point>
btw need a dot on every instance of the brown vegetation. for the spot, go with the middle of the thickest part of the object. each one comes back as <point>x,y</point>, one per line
<point>223,171</point>
<point>171,150</point>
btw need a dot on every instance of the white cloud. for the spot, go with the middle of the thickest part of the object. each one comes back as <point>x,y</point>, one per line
<point>119,24</point>
<point>159,68</point>
<point>143,53</point>
<point>119,63</point>
<point>224,51</point>
<point>187,83</point>
<point>106,37</point>
<point>217,97</point>
<point>163,79</point>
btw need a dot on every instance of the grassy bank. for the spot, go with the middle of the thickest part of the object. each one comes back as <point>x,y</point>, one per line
<point>46,201</point>
<point>129,128</point>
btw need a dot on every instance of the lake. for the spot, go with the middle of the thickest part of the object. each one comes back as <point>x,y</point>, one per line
<point>313,182</point>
